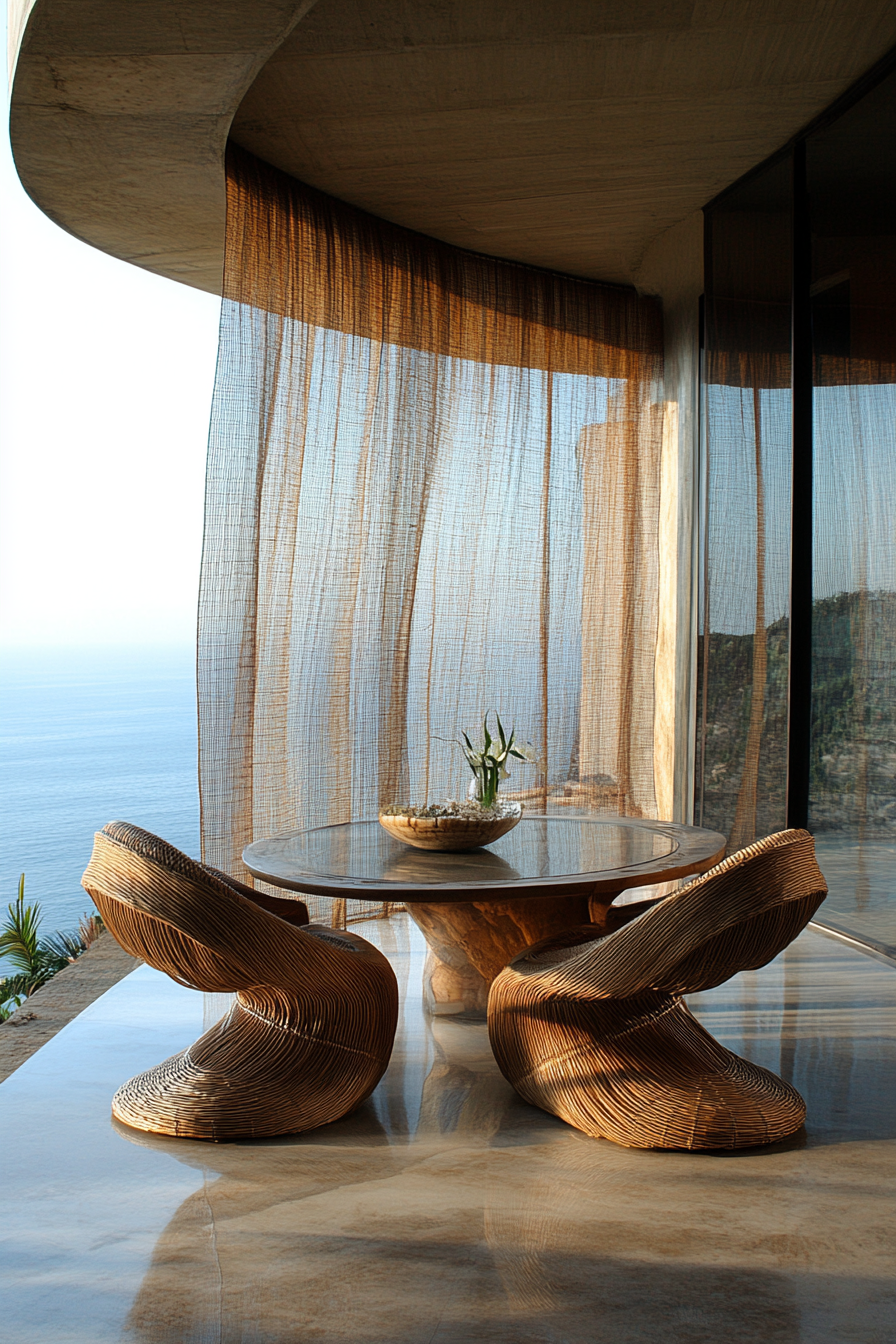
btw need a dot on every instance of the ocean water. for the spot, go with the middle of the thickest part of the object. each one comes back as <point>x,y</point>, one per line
<point>88,736</point>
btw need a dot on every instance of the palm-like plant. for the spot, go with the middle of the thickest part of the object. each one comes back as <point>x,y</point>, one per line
<point>488,760</point>
<point>34,959</point>
<point>13,993</point>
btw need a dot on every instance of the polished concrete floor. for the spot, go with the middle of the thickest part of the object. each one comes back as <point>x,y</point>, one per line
<point>446,1211</point>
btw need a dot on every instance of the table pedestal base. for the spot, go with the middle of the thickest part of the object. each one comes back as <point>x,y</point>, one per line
<point>470,942</point>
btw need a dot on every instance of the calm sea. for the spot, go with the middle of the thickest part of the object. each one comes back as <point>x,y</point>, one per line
<point>87,736</point>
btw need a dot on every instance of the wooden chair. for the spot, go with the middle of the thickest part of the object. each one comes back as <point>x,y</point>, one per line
<point>311,1031</point>
<point>593,1028</point>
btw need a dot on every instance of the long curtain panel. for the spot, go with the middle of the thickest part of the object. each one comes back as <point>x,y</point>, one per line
<point>743,660</point>
<point>433,490</point>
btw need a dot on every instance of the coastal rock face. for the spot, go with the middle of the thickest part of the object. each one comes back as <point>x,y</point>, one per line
<point>853,760</point>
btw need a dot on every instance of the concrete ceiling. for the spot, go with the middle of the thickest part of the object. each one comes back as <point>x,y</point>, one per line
<point>566,133</point>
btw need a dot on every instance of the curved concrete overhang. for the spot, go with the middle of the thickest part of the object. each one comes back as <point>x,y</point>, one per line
<point>565,133</point>
<point>120,113</point>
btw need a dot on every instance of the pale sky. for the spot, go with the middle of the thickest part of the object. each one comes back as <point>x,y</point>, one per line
<point>105,386</point>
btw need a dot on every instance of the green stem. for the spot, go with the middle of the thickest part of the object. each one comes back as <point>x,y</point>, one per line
<point>487,783</point>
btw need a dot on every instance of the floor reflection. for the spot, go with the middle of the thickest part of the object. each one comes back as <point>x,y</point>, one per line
<point>859,874</point>
<point>363,1244</point>
<point>445,1210</point>
<point>824,1018</point>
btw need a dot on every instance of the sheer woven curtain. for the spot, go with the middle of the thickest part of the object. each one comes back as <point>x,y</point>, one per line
<point>745,598</point>
<point>433,490</point>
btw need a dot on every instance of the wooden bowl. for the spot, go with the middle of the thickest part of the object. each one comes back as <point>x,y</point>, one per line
<point>450,833</point>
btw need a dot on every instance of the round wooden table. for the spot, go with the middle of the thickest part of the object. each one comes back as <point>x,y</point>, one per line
<point>479,909</point>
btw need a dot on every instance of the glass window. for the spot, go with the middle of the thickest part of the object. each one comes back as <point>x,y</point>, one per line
<point>851,168</point>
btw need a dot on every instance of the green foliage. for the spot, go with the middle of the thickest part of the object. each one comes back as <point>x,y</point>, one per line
<point>34,959</point>
<point>19,936</point>
<point>66,947</point>
<point>488,760</point>
<point>13,993</point>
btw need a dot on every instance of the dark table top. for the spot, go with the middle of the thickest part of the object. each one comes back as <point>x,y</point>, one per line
<point>542,856</point>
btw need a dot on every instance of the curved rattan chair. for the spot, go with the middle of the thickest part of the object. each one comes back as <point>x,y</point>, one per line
<point>311,1031</point>
<point>593,1028</point>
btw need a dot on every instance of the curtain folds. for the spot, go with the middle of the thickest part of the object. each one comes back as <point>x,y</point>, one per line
<point>433,490</point>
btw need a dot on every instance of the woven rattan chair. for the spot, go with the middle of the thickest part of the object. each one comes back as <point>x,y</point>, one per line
<point>311,1031</point>
<point>593,1028</point>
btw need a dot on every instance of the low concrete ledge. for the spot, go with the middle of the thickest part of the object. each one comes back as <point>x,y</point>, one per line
<point>60,1000</point>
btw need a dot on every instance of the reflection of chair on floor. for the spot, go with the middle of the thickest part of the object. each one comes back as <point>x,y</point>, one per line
<point>311,1031</point>
<point>594,1030</point>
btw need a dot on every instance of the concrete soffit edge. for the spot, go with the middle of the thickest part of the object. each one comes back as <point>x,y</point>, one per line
<point>118,125</point>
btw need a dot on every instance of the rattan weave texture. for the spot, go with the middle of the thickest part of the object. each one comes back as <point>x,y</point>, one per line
<point>597,1032</point>
<point>310,1033</point>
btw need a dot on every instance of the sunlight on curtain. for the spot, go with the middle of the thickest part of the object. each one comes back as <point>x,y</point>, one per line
<point>745,607</point>
<point>433,490</point>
